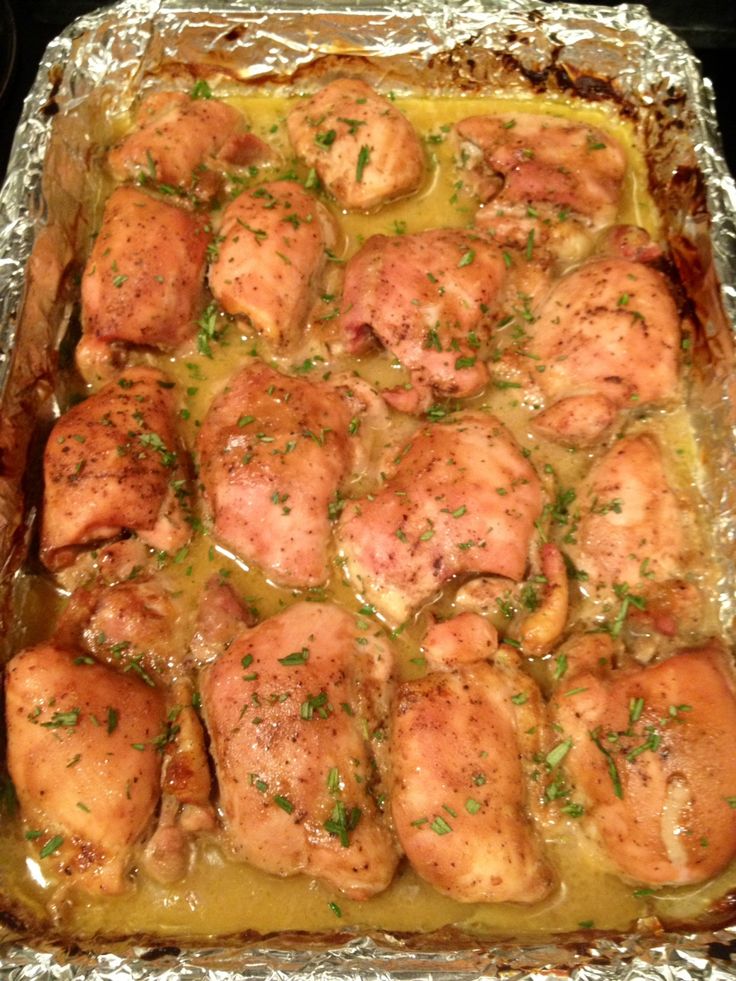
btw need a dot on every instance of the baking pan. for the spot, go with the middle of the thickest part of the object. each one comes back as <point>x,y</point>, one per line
<point>614,58</point>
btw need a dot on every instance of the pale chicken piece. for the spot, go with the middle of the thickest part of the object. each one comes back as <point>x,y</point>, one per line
<point>364,150</point>
<point>220,618</point>
<point>113,463</point>
<point>463,744</point>
<point>576,420</point>
<point>631,528</point>
<point>543,179</point>
<point>430,299</point>
<point>167,856</point>
<point>274,450</point>
<point>628,242</point>
<point>186,807</point>
<point>99,361</point>
<point>83,754</point>
<point>463,499</point>
<point>371,418</point>
<point>544,626</point>
<point>271,258</point>
<point>143,282</point>
<point>295,711</point>
<point>462,639</point>
<point>486,595</point>
<point>175,137</point>
<point>652,761</point>
<point>608,336</point>
<point>122,560</point>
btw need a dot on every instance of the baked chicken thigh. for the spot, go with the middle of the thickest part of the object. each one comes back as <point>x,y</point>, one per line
<point>463,742</point>
<point>270,258</point>
<point>608,335</point>
<point>364,150</point>
<point>462,498</point>
<point>113,463</point>
<point>84,756</point>
<point>175,137</point>
<point>274,450</point>
<point>429,298</point>
<point>631,527</point>
<point>295,709</point>
<point>143,282</point>
<point>542,179</point>
<point>652,760</point>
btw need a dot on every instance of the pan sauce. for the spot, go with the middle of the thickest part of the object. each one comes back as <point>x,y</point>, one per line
<point>220,896</point>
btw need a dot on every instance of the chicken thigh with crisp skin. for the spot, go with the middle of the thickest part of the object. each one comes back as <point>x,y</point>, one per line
<point>295,709</point>
<point>274,450</point>
<point>84,760</point>
<point>364,150</point>
<point>175,137</point>
<point>608,336</point>
<point>429,298</point>
<point>463,742</point>
<point>271,257</point>
<point>113,463</point>
<point>533,172</point>
<point>144,278</point>
<point>652,759</point>
<point>462,499</point>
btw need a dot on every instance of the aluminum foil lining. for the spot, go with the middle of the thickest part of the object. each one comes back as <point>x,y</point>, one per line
<point>617,53</point>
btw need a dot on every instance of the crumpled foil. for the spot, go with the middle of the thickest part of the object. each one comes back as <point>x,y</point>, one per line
<point>614,54</point>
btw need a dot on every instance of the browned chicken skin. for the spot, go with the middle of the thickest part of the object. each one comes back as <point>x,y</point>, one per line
<point>608,336</point>
<point>143,280</point>
<point>463,639</point>
<point>462,499</point>
<point>138,626</point>
<point>274,451</point>
<point>291,709</point>
<point>83,753</point>
<point>143,629</point>
<point>113,463</point>
<point>429,299</point>
<point>652,760</point>
<point>463,739</point>
<point>173,139</point>
<point>542,179</point>
<point>270,259</point>
<point>364,150</point>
